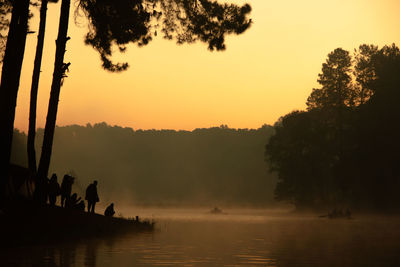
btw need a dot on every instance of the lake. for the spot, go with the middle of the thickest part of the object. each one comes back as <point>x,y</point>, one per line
<point>194,237</point>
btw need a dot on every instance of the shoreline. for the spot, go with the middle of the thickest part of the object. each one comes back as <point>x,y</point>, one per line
<point>31,224</point>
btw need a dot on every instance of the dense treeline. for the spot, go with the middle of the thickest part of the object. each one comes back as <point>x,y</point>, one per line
<point>214,166</point>
<point>344,150</point>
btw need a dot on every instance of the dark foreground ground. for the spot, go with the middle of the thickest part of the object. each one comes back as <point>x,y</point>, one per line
<point>26,223</point>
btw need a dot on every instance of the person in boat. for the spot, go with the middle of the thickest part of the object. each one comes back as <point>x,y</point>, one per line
<point>53,190</point>
<point>338,213</point>
<point>66,188</point>
<point>91,196</point>
<point>109,212</point>
<point>216,210</point>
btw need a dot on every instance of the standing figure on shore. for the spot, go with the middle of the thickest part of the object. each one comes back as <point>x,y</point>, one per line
<point>53,190</point>
<point>109,210</point>
<point>66,188</point>
<point>91,196</point>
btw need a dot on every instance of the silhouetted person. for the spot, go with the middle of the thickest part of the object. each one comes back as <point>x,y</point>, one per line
<point>91,196</point>
<point>109,210</point>
<point>53,190</point>
<point>80,205</point>
<point>66,188</point>
<point>73,201</point>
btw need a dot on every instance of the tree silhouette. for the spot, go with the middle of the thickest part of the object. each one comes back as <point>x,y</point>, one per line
<point>303,153</point>
<point>34,88</point>
<point>364,71</point>
<point>344,149</point>
<point>385,64</point>
<point>11,71</point>
<point>60,69</point>
<point>124,21</point>
<point>335,79</point>
<point>5,10</point>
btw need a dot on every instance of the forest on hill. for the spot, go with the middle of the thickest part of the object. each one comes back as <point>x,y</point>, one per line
<point>213,166</point>
<point>343,151</point>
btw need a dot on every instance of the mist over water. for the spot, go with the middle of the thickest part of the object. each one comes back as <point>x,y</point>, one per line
<point>214,166</point>
<point>238,237</point>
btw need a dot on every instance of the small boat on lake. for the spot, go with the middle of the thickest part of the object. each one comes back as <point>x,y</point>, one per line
<point>338,214</point>
<point>216,210</point>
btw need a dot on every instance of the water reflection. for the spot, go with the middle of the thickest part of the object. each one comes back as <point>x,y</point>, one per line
<point>272,241</point>
<point>90,254</point>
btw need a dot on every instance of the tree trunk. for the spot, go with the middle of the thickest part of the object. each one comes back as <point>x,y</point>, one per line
<point>59,73</point>
<point>34,90</point>
<point>11,72</point>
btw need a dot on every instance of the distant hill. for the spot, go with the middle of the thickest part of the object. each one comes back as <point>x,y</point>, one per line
<point>213,166</point>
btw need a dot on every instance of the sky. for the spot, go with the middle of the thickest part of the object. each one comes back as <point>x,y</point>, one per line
<point>264,74</point>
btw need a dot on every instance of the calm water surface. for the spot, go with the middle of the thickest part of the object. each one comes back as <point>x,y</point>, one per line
<point>237,238</point>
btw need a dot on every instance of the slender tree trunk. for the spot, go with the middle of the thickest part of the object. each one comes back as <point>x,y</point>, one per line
<point>59,73</point>
<point>34,90</point>
<point>11,72</point>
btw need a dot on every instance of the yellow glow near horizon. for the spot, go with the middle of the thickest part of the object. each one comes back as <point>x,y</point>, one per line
<point>264,73</point>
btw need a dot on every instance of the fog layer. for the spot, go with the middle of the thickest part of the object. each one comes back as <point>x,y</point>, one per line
<point>214,166</point>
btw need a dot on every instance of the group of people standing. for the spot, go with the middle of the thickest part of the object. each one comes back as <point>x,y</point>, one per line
<point>72,201</point>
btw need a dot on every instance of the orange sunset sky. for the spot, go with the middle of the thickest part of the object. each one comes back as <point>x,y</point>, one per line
<point>265,73</point>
